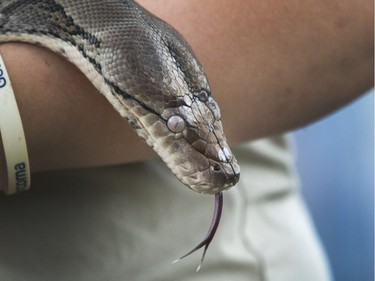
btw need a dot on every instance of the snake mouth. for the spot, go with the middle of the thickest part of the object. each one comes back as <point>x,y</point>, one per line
<point>218,177</point>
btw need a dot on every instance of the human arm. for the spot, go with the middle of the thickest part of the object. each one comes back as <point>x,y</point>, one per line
<point>277,65</point>
<point>272,66</point>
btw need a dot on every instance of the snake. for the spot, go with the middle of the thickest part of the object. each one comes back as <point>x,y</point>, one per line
<point>149,74</point>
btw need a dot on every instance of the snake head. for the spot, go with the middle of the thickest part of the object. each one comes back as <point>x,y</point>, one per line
<point>168,102</point>
<point>198,152</point>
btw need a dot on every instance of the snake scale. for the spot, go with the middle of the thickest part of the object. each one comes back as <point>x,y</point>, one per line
<point>149,74</point>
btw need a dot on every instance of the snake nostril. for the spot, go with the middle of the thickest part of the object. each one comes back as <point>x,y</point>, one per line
<point>217,167</point>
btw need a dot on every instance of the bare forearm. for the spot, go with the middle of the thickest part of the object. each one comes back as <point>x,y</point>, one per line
<point>277,65</point>
<point>272,66</point>
<point>67,122</point>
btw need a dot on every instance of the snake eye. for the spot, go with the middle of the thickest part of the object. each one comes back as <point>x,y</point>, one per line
<point>203,96</point>
<point>176,124</point>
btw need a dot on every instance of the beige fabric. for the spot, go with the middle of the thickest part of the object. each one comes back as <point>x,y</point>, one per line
<point>130,222</point>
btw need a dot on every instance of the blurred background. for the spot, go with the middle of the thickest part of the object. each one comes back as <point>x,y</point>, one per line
<point>335,159</point>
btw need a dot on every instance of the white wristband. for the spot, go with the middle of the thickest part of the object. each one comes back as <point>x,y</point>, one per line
<point>13,137</point>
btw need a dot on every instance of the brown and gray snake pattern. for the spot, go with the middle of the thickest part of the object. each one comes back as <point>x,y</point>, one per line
<point>146,70</point>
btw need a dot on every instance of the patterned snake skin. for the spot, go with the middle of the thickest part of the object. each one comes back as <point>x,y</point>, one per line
<point>146,71</point>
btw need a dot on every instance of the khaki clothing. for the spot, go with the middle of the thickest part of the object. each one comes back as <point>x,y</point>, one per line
<point>130,222</point>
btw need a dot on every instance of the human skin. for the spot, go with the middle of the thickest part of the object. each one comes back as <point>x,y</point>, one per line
<point>273,66</point>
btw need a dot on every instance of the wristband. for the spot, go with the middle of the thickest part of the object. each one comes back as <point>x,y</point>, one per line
<point>13,137</point>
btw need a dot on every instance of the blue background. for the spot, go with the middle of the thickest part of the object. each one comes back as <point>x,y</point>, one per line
<point>335,160</point>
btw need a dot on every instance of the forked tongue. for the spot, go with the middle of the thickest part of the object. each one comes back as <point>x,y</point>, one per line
<point>211,231</point>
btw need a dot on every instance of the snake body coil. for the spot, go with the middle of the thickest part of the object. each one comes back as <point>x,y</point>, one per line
<point>146,71</point>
